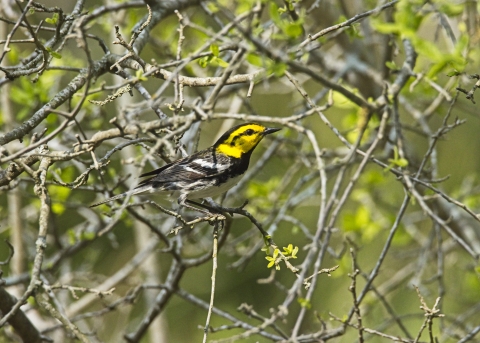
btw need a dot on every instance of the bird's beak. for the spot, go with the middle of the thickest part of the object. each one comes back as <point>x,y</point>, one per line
<point>270,130</point>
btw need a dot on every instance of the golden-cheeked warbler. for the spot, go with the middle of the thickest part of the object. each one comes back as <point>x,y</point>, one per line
<point>206,173</point>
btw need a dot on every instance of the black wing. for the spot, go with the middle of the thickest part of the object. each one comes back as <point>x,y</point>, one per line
<point>202,164</point>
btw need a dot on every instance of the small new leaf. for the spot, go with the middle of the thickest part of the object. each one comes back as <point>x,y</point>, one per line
<point>294,252</point>
<point>275,253</point>
<point>139,75</point>
<point>221,62</point>
<point>288,250</point>
<point>53,20</point>
<point>271,261</point>
<point>54,54</point>
<point>304,303</point>
<point>454,72</point>
<point>399,162</point>
<point>391,65</point>
<point>266,240</point>
<point>396,161</point>
<point>255,60</point>
<point>215,50</point>
<point>204,61</point>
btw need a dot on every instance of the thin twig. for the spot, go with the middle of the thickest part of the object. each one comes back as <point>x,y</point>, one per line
<point>214,273</point>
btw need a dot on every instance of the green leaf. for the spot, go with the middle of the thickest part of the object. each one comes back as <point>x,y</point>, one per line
<point>289,3</point>
<point>255,60</point>
<point>407,20</point>
<point>58,208</point>
<point>265,240</point>
<point>139,75</point>
<point>204,61</point>
<point>451,9</point>
<point>278,69</point>
<point>396,160</point>
<point>241,5</point>
<point>215,50</point>
<point>221,62</point>
<point>391,65</point>
<point>87,236</point>
<point>293,30</point>
<point>275,253</point>
<point>54,54</point>
<point>400,162</point>
<point>53,20</point>
<point>288,250</point>
<point>274,13</point>
<point>304,303</point>
<point>272,261</point>
<point>294,252</point>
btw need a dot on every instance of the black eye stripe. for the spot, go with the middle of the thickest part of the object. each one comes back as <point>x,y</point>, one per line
<point>232,143</point>
<point>248,132</point>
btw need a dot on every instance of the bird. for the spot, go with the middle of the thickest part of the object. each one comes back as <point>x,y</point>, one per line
<point>206,173</point>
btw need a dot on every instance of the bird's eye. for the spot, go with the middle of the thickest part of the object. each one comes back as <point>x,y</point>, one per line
<point>249,132</point>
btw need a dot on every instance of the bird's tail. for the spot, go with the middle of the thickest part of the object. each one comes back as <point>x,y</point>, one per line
<point>122,195</point>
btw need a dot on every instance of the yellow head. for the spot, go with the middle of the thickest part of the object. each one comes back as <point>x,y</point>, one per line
<point>242,139</point>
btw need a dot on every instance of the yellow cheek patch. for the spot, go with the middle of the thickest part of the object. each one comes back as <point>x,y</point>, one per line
<point>229,150</point>
<point>249,142</point>
<point>239,143</point>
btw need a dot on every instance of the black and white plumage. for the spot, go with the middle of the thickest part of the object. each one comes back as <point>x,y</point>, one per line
<point>206,173</point>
